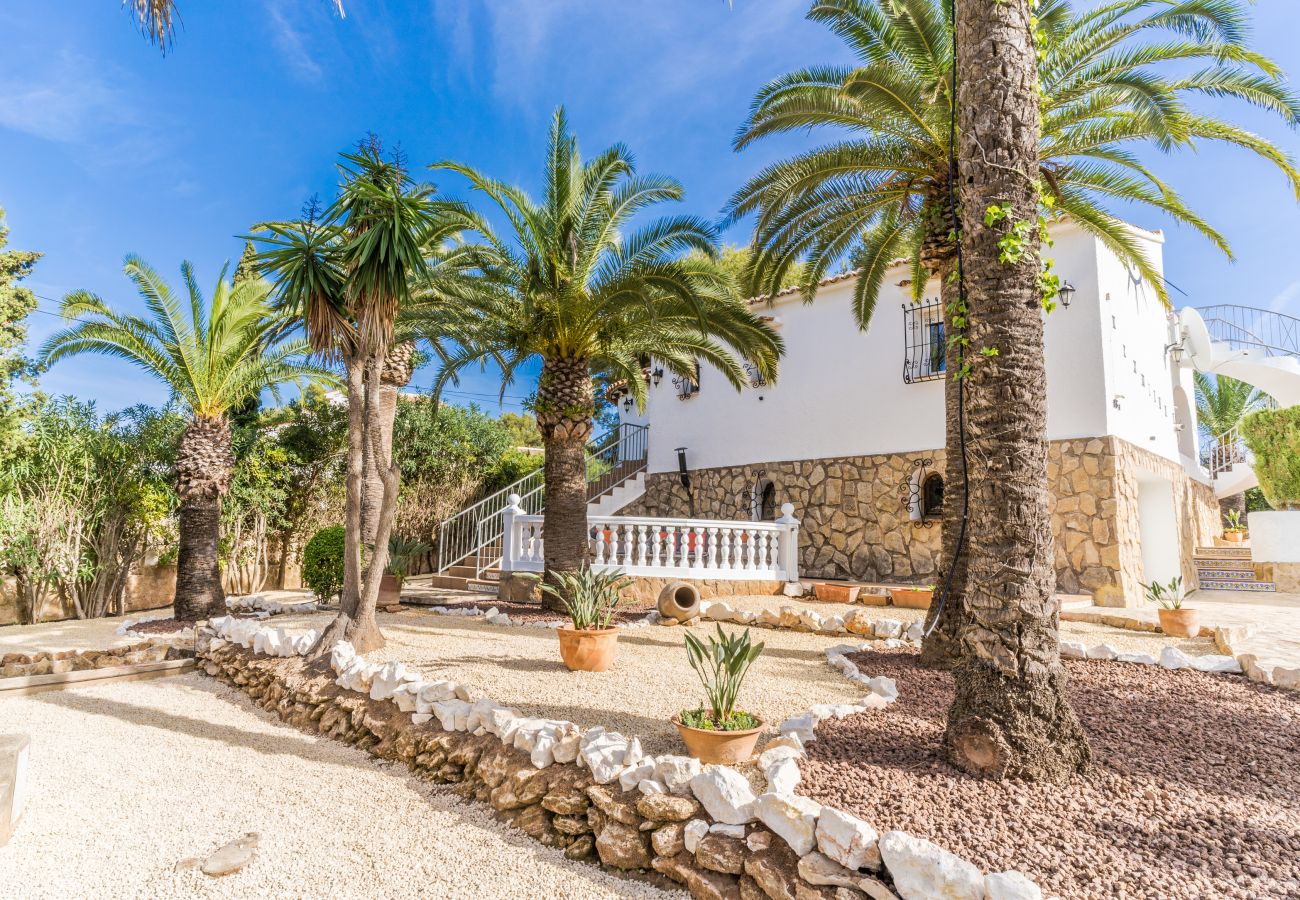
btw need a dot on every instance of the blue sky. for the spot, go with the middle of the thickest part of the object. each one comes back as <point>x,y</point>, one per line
<point>107,147</point>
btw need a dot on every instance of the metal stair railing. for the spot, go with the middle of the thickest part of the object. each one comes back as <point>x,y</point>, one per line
<point>1248,328</point>
<point>616,456</point>
<point>1229,449</point>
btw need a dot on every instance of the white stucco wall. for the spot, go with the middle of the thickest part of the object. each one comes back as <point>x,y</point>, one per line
<point>841,391</point>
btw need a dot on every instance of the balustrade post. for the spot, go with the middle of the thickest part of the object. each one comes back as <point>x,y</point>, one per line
<point>789,546</point>
<point>508,538</point>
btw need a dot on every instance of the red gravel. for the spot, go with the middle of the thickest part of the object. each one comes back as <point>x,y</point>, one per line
<point>1194,791</point>
<point>527,613</point>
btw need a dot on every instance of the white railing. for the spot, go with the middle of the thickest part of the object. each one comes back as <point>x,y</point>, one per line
<point>667,547</point>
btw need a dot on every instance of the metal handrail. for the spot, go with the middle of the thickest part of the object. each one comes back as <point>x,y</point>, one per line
<point>1248,328</point>
<point>1228,450</point>
<point>476,530</point>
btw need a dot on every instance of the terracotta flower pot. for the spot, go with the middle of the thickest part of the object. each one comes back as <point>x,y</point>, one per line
<point>726,747</point>
<point>1180,622</point>
<point>912,598</point>
<point>390,591</point>
<point>1234,537</point>
<point>836,593</point>
<point>873,597</point>
<point>588,650</point>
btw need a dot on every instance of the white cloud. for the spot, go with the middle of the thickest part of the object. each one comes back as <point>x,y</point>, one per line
<point>63,100</point>
<point>289,41</point>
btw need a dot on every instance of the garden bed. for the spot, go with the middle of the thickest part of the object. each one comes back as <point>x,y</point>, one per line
<point>1194,792</point>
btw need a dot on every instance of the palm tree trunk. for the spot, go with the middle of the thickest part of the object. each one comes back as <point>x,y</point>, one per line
<point>397,372</point>
<point>941,648</point>
<point>564,414</point>
<point>1010,716</point>
<point>205,463</point>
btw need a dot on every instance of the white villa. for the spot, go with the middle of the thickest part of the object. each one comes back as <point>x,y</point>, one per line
<point>850,441</point>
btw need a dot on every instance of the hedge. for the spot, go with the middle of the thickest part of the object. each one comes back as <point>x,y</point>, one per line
<point>322,562</point>
<point>1273,435</point>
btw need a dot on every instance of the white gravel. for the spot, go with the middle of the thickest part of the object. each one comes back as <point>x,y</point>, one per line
<point>129,778</point>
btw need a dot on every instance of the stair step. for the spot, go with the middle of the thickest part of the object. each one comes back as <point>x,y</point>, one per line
<point>1222,552</point>
<point>1255,587</point>
<point>482,586</point>
<point>1203,575</point>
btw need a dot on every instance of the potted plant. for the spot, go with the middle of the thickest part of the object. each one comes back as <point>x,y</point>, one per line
<point>832,592</point>
<point>591,599</point>
<point>402,555</point>
<point>912,598</point>
<point>720,733</point>
<point>1175,620</point>
<point>1234,529</point>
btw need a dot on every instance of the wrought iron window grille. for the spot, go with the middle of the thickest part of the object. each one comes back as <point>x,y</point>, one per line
<point>925,345</point>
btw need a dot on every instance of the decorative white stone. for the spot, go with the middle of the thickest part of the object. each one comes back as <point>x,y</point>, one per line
<point>915,632</point>
<point>923,871</point>
<point>420,718</point>
<point>884,687</point>
<point>888,628</point>
<point>694,831</point>
<point>1010,886</point>
<point>1102,651</point>
<point>758,840</point>
<point>566,748</point>
<point>773,755</point>
<point>810,620</point>
<point>1141,659</point>
<point>676,772</point>
<point>800,726</point>
<point>1074,650</point>
<point>744,617</point>
<point>847,839</point>
<point>1216,663</point>
<point>792,589</point>
<point>783,777</point>
<point>453,715</point>
<point>1173,658</point>
<point>725,794</point>
<point>543,753</point>
<point>604,756</point>
<point>649,786</point>
<point>634,775</point>
<point>1286,678</point>
<point>633,755</point>
<point>790,817</point>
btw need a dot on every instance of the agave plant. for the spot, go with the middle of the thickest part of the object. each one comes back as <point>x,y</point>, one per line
<point>402,554</point>
<point>590,597</point>
<point>1233,522</point>
<point>722,666</point>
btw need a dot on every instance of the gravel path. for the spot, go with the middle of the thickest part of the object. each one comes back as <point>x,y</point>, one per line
<point>1195,790</point>
<point>130,778</point>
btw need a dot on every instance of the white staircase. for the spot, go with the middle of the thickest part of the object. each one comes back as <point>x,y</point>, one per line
<point>1257,346</point>
<point>617,497</point>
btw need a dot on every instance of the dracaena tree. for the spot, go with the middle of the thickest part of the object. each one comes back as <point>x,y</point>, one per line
<point>575,285</point>
<point>213,355</point>
<point>1114,79</point>
<point>345,274</point>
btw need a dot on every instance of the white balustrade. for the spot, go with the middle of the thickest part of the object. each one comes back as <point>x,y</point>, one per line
<point>667,547</point>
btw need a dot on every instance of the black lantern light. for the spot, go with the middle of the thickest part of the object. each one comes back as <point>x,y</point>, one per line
<point>1066,292</point>
<point>657,376</point>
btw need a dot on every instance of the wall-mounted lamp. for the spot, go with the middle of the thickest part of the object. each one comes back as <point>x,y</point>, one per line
<point>684,475</point>
<point>1175,352</point>
<point>627,403</point>
<point>656,376</point>
<point>1066,293</point>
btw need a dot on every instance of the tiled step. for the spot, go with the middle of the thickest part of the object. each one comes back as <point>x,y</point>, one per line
<point>1222,552</point>
<point>1203,575</point>
<point>1211,562</point>
<point>482,586</point>
<point>1255,587</point>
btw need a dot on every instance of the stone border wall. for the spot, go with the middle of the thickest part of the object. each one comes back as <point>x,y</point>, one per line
<point>855,525</point>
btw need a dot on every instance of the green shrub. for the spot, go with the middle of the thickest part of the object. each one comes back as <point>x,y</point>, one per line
<point>322,562</point>
<point>1273,435</point>
<point>722,666</point>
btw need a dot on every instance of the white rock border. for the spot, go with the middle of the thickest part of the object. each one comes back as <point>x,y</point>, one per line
<point>834,846</point>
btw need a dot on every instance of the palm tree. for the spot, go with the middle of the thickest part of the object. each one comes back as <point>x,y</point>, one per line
<point>1010,716</point>
<point>1221,404</point>
<point>213,359</point>
<point>575,288</point>
<point>884,191</point>
<point>157,19</point>
<point>345,275</point>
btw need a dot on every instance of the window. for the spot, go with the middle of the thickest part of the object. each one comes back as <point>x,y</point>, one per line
<point>688,387</point>
<point>932,496</point>
<point>925,344</point>
<point>765,502</point>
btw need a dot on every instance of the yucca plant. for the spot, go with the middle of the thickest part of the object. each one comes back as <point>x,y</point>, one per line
<point>722,666</point>
<point>402,554</point>
<point>1233,522</point>
<point>589,597</point>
